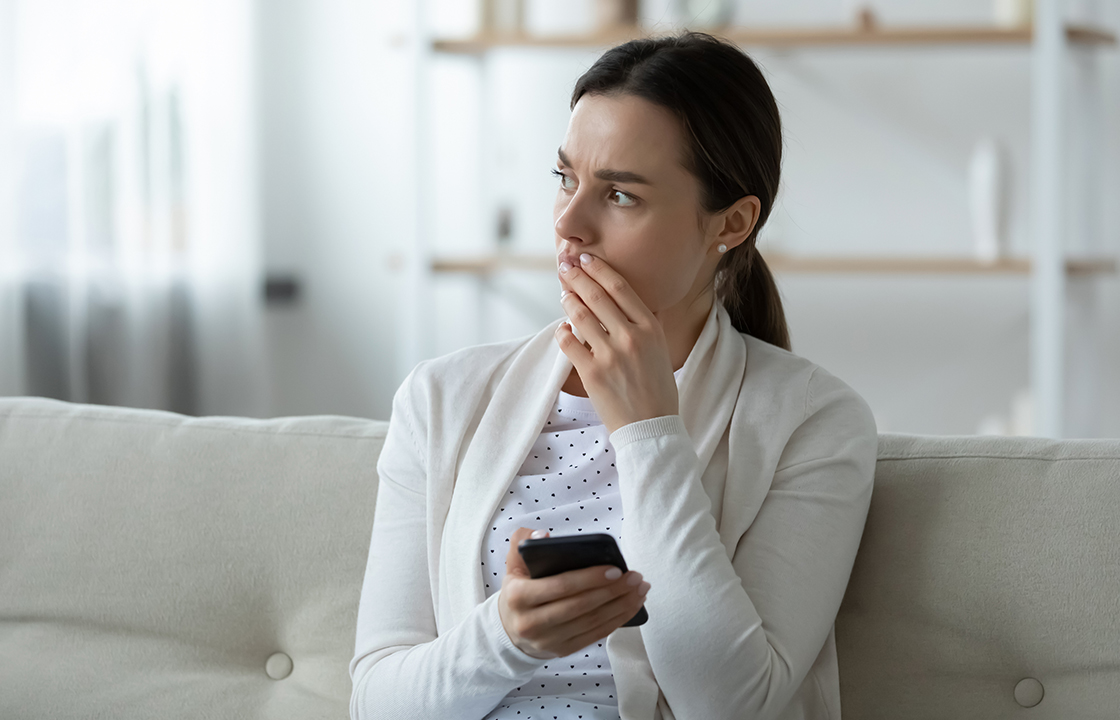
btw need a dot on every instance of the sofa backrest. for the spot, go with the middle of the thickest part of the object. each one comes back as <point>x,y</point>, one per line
<point>987,582</point>
<point>154,565</point>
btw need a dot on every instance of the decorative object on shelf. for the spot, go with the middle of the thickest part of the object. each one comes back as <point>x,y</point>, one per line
<point>505,225</point>
<point>1018,421</point>
<point>616,13</point>
<point>704,13</point>
<point>503,17</point>
<point>281,289</point>
<point>866,20</point>
<point>988,199</point>
<point>1013,13</point>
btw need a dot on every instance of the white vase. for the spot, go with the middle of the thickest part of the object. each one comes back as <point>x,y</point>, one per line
<point>503,17</point>
<point>988,199</point>
<point>1012,13</point>
<point>704,13</point>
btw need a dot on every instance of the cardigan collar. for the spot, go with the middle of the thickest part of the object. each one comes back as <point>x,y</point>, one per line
<point>513,419</point>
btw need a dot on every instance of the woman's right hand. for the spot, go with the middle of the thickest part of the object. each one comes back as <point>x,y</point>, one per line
<point>558,615</point>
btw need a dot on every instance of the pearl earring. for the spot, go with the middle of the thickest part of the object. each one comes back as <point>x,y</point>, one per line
<point>722,248</point>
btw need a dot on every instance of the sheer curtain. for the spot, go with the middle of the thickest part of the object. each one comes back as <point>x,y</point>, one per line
<point>129,242</point>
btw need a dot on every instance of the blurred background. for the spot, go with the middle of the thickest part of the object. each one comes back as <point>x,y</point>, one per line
<point>278,207</point>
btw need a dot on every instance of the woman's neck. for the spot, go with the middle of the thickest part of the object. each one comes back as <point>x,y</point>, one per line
<point>682,325</point>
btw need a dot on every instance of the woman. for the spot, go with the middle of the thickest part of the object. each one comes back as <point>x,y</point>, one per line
<point>735,475</point>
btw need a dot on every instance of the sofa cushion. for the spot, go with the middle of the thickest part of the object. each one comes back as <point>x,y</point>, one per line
<point>155,565</point>
<point>986,564</point>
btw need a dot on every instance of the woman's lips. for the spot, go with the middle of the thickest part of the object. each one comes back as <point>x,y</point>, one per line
<point>572,260</point>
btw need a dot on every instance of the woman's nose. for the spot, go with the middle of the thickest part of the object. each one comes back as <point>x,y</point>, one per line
<point>573,221</point>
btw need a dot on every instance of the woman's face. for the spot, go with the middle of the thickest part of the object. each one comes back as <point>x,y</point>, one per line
<point>625,197</point>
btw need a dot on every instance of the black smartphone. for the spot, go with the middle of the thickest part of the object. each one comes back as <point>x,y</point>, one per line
<point>554,555</point>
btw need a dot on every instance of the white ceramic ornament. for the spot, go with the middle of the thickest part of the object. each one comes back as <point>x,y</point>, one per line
<point>988,199</point>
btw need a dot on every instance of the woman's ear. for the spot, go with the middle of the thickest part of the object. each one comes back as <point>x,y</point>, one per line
<point>736,223</point>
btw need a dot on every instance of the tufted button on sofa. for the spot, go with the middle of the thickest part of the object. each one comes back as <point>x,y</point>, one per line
<point>159,566</point>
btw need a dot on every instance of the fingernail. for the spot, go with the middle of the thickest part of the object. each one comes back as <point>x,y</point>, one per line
<point>643,589</point>
<point>565,267</point>
<point>584,259</point>
<point>634,579</point>
<point>538,534</point>
<point>563,294</point>
<point>613,573</point>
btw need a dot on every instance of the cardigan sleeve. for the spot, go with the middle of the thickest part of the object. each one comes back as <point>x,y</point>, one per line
<point>735,637</point>
<point>401,668</point>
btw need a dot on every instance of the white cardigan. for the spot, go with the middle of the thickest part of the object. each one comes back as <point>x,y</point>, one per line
<point>744,512</point>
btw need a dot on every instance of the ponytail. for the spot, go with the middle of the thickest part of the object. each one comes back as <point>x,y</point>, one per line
<point>747,290</point>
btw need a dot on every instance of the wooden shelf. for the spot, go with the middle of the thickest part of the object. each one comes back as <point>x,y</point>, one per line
<point>795,264</point>
<point>792,37</point>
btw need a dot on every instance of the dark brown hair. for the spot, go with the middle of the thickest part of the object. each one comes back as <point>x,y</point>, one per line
<point>735,148</point>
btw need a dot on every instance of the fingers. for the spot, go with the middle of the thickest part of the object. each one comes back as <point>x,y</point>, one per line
<point>576,351</point>
<point>606,292</point>
<point>572,607</point>
<point>620,613</point>
<point>515,564</point>
<point>572,615</point>
<point>528,595</point>
<point>590,299</point>
<point>586,319</point>
<point>555,616</point>
<point>599,621</point>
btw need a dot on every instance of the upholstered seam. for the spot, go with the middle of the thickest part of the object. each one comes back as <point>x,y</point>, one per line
<point>820,692</point>
<point>996,457</point>
<point>192,423</point>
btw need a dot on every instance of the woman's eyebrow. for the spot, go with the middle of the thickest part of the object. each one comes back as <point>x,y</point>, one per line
<point>618,176</point>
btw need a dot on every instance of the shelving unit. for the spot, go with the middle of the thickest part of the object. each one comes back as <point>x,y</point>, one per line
<point>790,37</point>
<point>1049,270</point>
<point>808,264</point>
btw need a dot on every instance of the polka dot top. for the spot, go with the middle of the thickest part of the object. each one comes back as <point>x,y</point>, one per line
<point>567,485</point>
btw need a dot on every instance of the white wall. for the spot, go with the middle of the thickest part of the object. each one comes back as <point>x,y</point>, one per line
<point>331,116</point>
<point>877,149</point>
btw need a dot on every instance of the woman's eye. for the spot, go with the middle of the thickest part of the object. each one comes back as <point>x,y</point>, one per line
<point>620,198</point>
<point>563,178</point>
<point>624,199</point>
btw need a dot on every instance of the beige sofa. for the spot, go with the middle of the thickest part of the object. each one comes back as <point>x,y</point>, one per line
<point>159,566</point>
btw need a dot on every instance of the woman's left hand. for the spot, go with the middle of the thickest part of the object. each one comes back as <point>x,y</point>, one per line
<point>626,371</point>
